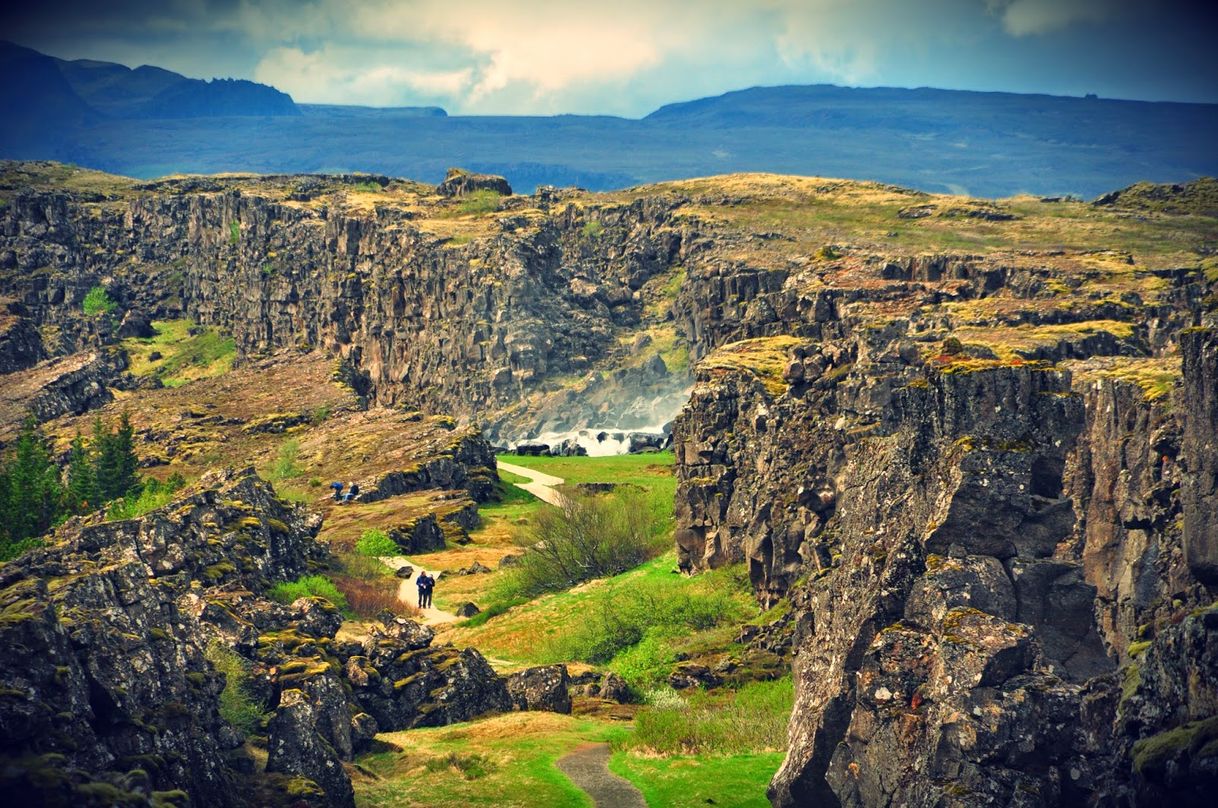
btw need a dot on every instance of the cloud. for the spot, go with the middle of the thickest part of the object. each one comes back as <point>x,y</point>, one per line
<point>1033,17</point>
<point>343,75</point>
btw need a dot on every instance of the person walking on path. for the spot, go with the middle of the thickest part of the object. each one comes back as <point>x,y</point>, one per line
<point>424,583</point>
<point>431,585</point>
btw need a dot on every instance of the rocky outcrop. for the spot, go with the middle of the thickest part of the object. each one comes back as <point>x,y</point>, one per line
<point>987,559</point>
<point>20,344</point>
<point>458,182</point>
<point>71,385</point>
<point>112,635</point>
<point>458,325</point>
<point>1200,491</point>
<point>541,688</point>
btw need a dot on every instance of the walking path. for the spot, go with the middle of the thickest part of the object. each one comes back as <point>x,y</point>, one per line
<point>408,593</point>
<point>540,485</point>
<point>588,768</point>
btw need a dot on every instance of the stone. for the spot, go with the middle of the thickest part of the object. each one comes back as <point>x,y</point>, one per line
<point>467,609</point>
<point>405,572</point>
<point>295,748</point>
<point>541,688</point>
<point>460,183</point>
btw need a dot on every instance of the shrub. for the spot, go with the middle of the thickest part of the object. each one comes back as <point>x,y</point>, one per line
<point>592,229</point>
<point>237,706</point>
<point>98,302</point>
<point>310,586</point>
<point>369,598</point>
<point>471,767</point>
<point>376,543</point>
<point>154,495</point>
<point>588,537</point>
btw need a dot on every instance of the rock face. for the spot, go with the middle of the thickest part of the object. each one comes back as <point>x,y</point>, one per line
<point>463,326</point>
<point>541,688</point>
<point>459,183</point>
<point>998,592</point>
<point>110,635</point>
<point>1200,491</point>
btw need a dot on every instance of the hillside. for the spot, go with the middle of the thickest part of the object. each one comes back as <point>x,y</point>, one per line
<point>150,122</point>
<point>937,525</point>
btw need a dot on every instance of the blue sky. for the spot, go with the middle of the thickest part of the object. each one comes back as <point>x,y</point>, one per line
<point>630,56</point>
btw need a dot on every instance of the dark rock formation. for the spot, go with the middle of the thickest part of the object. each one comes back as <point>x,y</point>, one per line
<point>541,688</point>
<point>467,609</point>
<point>1200,441</point>
<point>20,344</point>
<point>108,633</point>
<point>996,586</point>
<point>458,182</point>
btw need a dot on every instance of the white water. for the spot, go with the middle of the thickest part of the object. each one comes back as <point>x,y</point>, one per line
<point>616,441</point>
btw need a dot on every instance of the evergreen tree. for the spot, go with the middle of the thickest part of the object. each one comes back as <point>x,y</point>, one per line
<point>34,494</point>
<point>116,463</point>
<point>81,495</point>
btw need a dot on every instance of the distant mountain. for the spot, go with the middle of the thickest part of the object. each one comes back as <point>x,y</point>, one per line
<point>55,92</point>
<point>149,122</point>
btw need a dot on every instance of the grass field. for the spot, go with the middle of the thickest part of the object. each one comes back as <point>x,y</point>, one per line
<point>184,356</point>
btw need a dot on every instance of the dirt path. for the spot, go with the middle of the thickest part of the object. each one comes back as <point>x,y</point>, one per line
<point>588,768</point>
<point>540,485</point>
<point>408,593</point>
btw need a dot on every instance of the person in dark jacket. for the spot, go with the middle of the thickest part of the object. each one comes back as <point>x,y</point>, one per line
<point>424,583</point>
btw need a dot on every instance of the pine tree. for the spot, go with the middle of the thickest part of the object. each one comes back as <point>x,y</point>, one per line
<point>34,493</point>
<point>82,494</point>
<point>116,463</point>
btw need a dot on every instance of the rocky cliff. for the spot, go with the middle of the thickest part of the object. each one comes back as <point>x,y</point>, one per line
<point>111,692</point>
<point>985,495</point>
<point>463,305</point>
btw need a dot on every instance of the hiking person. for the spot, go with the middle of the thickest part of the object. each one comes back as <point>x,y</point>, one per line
<point>431,585</point>
<point>352,493</point>
<point>423,583</point>
<point>338,491</point>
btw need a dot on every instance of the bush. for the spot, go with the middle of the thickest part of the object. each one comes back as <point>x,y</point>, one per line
<point>98,302</point>
<point>588,537</point>
<point>369,598</point>
<point>752,719</point>
<point>310,586</point>
<point>154,495</point>
<point>376,543</point>
<point>237,706</point>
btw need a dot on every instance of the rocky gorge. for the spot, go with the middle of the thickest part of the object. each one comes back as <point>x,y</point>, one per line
<point>971,444</point>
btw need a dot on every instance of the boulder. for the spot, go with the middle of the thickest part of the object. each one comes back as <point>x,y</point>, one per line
<point>295,748</point>
<point>467,609</point>
<point>405,572</point>
<point>458,182</point>
<point>137,324</point>
<point>540,688</point>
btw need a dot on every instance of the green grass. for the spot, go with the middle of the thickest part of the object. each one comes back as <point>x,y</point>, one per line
<point>310,586</point>
<point>152,496</point>
<point>751,719</point>
<point>652,471</point>
<point>511,757</point>
<point>237,706</point>
<point>184,357</point>
<point>651,606</point>
<point>98,302</point>
<point>738,781</point>
<point>480,202</point>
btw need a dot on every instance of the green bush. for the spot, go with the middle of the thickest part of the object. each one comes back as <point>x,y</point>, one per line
<point>153,495</point>
<point>588,537</point>
<point>752,719</point>
<point>237,706</point>
<point>376,543</point>
<point>317,586</point>
<point>98,302</point>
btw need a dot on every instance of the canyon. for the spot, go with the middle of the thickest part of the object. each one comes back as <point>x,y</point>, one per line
<point>970,444</point>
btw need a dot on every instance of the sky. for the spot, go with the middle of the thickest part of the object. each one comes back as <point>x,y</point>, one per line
<point>629,57</point>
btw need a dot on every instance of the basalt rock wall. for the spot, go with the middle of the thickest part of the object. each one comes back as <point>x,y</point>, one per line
<point>998,568</point>
<point>460,325</point>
